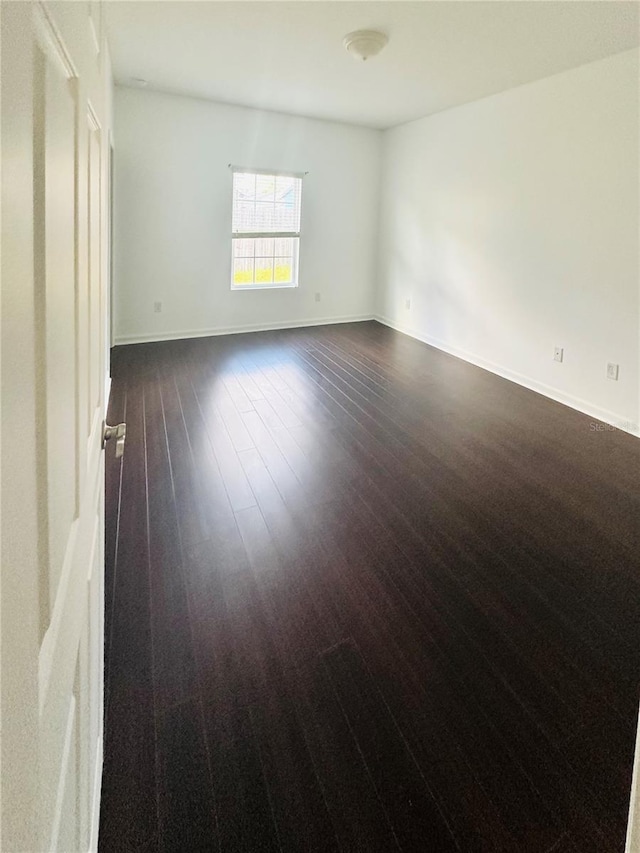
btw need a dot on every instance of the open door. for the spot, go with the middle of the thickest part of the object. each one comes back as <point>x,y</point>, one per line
<point>55,131</point>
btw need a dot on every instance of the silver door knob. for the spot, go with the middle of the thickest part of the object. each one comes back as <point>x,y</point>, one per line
<point>119,432</point>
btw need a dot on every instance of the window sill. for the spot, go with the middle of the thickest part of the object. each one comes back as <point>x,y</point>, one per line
<point>238,287</point>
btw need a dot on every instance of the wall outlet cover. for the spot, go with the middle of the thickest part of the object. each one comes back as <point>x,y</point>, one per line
<point>558,354</point>
<point>612,371</point>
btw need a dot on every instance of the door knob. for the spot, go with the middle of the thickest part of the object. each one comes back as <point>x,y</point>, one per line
<point>119,432</point>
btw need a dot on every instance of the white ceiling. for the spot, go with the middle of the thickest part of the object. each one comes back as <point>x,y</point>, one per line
<point>288,56</point>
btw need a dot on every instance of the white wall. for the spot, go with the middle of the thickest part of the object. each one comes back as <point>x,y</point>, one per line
<point>511,224</point>
<point>172,238</point>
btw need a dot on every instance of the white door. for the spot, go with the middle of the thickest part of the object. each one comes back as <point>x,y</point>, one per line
<point>55,131</point>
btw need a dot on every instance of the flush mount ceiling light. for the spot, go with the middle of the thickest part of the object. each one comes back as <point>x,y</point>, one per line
<point>364,43</point>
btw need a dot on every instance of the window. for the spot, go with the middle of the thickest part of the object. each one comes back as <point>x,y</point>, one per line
<point>265,229</point>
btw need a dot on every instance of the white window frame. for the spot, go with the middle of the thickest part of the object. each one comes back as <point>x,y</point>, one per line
<point>254,235</point>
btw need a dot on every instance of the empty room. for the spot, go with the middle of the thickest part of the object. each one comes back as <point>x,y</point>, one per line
<point>320,426</point>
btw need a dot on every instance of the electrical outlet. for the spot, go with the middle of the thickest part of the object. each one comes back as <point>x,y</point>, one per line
<point>317,297</point>
<point>558,353</point>
<point>157,307</point>
<point>407,304</point>
<point>612,371</point>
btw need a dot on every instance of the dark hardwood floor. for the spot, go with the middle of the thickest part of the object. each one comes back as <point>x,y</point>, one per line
<point>363,596</point>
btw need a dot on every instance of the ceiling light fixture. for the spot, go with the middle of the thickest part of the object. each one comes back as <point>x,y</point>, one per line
<point>364,43</point>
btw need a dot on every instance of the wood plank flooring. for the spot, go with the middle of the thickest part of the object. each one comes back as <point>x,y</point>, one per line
<point>363,596</point>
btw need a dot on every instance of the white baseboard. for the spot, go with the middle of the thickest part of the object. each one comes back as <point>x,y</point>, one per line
<point>619,421</point>
<point>633,827</point>
<point>121,340</point>
<point>95,806</point>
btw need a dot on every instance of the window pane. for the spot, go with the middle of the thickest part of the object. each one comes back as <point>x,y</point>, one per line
<point>285,217</point>
<point>264,270</point>
<point>277,204</point>
<point>265,187</point>
<point>243,271</point>
<point>243,248</point>
<point>264,220</point>
<point>244,216</point>
<point>285,188</point>
<point>244,186</point>
<point>264,247</point>
<point>283,270</point>
<point>283,246</point>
